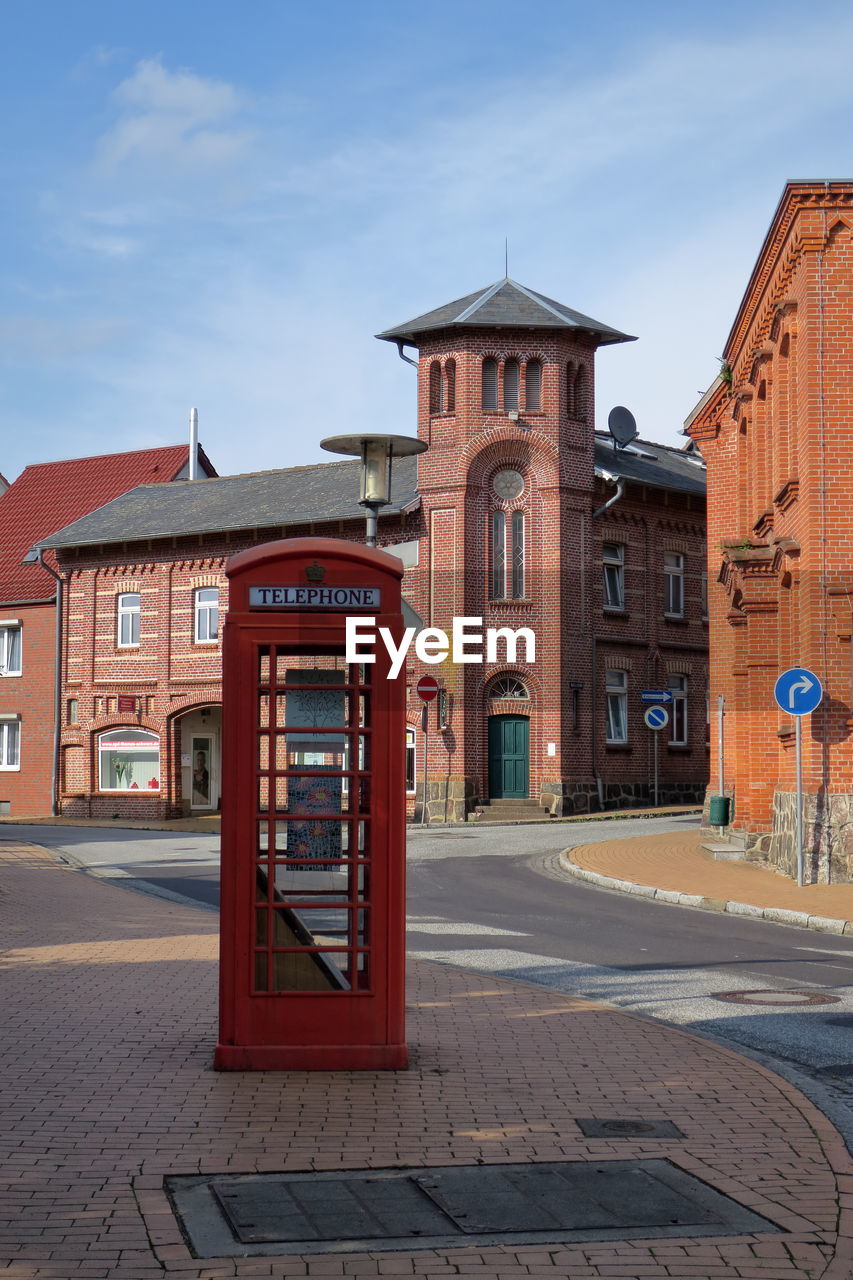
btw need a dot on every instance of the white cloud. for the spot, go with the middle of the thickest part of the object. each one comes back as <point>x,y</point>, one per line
<point>173,118</point>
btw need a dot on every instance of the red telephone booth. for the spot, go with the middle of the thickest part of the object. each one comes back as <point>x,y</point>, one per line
<point>313,814</point>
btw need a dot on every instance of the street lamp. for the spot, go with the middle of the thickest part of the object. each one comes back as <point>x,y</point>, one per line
<point>376,453</point>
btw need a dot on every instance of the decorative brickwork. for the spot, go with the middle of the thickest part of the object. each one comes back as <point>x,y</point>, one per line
<point>776,431</point>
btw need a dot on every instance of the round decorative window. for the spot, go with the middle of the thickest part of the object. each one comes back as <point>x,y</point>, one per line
<point>507,687</point>
<point>508,484</point>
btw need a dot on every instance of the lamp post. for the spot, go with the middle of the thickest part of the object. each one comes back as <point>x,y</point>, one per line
<point>377,453</point>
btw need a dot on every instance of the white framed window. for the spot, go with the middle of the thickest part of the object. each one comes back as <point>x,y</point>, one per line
<point>11,646</point>
<point>128,608</point>
<point>206,610</point>
<point>411,785</point>
<point>616,693</point>
<point>129,760</point>
<point>673,577</point>
<point>614,575</point>
<point>678,711</point>
<point>10,742</point>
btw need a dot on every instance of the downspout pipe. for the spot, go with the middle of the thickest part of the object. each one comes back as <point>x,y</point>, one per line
<point>620,489</point>
<point>57,683</point>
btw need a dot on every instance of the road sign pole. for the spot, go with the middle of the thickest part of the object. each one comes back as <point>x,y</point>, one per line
<point>798,744</point>
<point>656,769</point>
<point>721,711</point>
<point>424,717</point>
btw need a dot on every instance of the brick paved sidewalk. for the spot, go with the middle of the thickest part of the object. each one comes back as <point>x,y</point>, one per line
<point>109,1022</point>
<point>675,862</point>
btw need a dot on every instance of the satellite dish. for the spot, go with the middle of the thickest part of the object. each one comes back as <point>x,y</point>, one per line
<point>622,426</point>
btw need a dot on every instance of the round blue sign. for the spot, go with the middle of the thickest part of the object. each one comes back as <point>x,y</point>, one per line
<point>656,717</point>
<point>798,691</point>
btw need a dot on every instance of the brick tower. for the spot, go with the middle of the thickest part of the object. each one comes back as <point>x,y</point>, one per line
<point>506,383</point>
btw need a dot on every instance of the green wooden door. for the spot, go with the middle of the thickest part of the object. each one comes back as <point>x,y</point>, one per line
<point>509,756</point>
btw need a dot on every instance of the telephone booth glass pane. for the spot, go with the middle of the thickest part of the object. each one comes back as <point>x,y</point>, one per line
<point>313,775</point>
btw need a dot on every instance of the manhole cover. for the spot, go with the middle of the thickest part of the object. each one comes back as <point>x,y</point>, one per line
<point>307,1213</point>
<point>791,998</point>
<point>628,1129</point>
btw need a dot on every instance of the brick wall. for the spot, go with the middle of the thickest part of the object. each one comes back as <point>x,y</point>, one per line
<point>777,439</point>
<point>27,791</point>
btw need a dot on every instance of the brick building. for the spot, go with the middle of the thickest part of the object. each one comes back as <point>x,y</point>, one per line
<point>518,514</point>
<point>775,430</point>
<point>43,498</point>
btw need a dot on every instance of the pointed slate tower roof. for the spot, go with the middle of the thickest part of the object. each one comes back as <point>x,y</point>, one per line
<point>503,305</point>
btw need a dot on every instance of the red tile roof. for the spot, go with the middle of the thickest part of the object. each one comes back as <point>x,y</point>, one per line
<point>49,495</point>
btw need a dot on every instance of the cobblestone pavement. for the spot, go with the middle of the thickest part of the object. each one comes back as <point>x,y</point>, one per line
<point>109,1023</point>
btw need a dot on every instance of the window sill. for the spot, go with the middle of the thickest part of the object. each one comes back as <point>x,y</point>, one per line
<point>676,619</point>
<point>10,768</point>
<point>615,611</point>
<point>121,648</point>
<point>616,747</point>
<point>680,748</point>
<point>10,675</point>
<point>205,644</point>
<point>520,600</point>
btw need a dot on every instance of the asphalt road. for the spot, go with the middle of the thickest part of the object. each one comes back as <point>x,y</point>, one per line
<point>495,900</point>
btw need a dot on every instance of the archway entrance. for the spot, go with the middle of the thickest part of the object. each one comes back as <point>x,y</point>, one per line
<point>200,752</point>
<point>509,757</point>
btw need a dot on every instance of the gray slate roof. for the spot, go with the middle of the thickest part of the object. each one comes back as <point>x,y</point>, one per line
<point>667,467</point>
<point>324,491</point>
<point>504,304</point>
<point>259,500</point>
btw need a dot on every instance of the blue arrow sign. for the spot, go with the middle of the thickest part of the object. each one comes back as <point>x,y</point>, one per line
<point>798,691</point>
<point>656,695</point>
<point>656,717</point>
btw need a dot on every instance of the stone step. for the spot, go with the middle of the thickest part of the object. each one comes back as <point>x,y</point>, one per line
<point>513,802</point>
<point>520,811</point>
<point>723,851</point>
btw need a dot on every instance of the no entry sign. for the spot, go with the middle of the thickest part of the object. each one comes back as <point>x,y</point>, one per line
<point>427,688</point>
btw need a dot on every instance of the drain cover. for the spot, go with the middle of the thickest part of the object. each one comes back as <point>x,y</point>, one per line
<point>306,1213</point>
<point>791,998</point>
<point>628,1129</point>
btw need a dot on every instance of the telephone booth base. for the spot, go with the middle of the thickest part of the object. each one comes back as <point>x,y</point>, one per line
<point>311,1057</point>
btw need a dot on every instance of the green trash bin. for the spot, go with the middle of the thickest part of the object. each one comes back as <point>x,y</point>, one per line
<point>718,813</point>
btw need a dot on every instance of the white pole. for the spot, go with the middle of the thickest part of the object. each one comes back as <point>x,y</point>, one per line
<point>424,719</point>
<point>192,470</point>
<point>721,703</point>
<point>655,736</point>
<point>798,741</point>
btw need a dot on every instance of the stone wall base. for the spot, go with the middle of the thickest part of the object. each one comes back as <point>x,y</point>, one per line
<point>827,837</point>
<point>448,799</point>
<point>563,799</point>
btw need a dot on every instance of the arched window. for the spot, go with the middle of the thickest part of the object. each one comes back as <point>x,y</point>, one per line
<point>533,385</point>
<point>129,760</point>
<point>498,555</point>
<point>510,385</point>
<point>518,555</point>
<point>507,687</point>
<point>571,373</point>
<point>490,383</point>
<point>580,394</point>
<point>436,398</point>
<point>450,386</point>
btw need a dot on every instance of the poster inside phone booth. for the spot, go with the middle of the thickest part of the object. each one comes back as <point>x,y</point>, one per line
<point>312,963</point>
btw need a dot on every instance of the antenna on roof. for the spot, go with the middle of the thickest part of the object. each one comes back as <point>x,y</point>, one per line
<point>622,426</point>
<point>192,469</point>
<point>506,256</point>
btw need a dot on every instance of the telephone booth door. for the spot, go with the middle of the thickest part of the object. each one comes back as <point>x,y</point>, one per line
<point>313,814</point>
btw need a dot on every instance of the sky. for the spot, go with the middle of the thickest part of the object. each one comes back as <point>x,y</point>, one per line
<point>217,206</point>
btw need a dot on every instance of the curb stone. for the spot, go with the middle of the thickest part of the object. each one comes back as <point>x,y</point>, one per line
<point>773,915</point>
